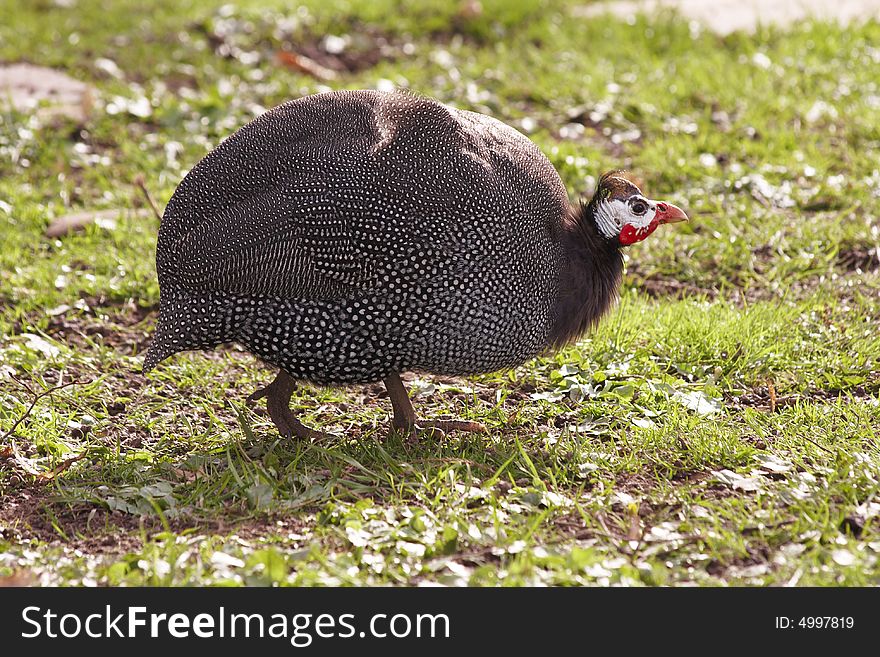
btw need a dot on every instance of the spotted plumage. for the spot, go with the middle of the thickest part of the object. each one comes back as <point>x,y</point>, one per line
<point>349,236</point>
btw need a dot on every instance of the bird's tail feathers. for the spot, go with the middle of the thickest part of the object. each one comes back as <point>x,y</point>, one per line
<point>188,321</point>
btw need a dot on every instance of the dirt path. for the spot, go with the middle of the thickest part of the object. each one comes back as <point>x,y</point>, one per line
<point>725,16</point>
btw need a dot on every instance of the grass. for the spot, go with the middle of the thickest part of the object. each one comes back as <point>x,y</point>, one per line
<point>719,428</point>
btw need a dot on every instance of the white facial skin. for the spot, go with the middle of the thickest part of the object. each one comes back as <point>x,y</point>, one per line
<point>612,215</point>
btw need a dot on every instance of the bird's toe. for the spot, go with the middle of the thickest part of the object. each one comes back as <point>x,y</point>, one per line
<point>467,426</point>
<point>442,427</point>
<point>257,395</point>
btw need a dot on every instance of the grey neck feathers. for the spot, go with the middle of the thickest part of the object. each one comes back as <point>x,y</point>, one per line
<point>590,279</point>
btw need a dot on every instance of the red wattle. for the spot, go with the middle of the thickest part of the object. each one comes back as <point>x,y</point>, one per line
<point>630,234</point>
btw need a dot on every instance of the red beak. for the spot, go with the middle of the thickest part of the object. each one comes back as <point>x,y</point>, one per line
<point>669,214</point>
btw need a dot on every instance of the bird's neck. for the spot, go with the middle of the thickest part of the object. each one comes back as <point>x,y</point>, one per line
<point>590,278</point>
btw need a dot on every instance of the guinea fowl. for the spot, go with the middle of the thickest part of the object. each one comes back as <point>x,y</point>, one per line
<point>349,236</point>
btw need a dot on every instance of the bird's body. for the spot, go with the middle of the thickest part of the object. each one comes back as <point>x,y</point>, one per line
<point>349,236</point>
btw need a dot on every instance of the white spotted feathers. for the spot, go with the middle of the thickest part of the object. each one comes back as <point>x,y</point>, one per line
<point>349,235</point>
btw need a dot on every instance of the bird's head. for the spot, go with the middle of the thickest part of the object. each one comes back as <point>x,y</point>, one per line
<point>622,214</point>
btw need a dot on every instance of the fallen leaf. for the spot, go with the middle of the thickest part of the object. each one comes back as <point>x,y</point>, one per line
<point>304,64</point>
<point>843,557</point>
<point>333,44</point>
<point>36,343</point>
<point>754,570</point>
<point>772,463</point>
<point>665,531</point>
<point>138,106</point>
<point>223,560</point>
<point>622,499</point>
<point>58,310</point>
<point>58,469</point>
<point>737,481</point>
<point>17,579</point>
<point>548,396</point>
<point>75,221</point>
<point>411,549</point>
<point>357,536</point>
<point>109,67</point>
<point>698,402</point>
<point>470,9</point>
<point>550,500</point>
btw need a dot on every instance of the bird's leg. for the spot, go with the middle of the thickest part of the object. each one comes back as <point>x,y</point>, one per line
<point>277,396</point>
<point>405,417</point>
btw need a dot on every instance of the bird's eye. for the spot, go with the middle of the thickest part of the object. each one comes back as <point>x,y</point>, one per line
<point>639,207</point>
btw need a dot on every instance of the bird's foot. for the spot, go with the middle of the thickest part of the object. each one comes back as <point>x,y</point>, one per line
<point>442,426</point>
<point>277,395</point>
<point>405,420</point>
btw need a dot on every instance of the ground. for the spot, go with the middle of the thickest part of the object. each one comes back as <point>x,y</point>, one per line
<point>720,427</point>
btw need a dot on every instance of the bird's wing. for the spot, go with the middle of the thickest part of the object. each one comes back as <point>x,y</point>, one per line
<point>309,241</point>
<point>323,197</point>
<point>291,243</point>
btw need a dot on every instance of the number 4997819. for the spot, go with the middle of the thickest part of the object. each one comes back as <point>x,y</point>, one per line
<point>816,622</point>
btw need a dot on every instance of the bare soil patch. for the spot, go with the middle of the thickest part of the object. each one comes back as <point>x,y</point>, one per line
<point>859,258</point>
<point>30,514</point>
<point>767,399</point>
